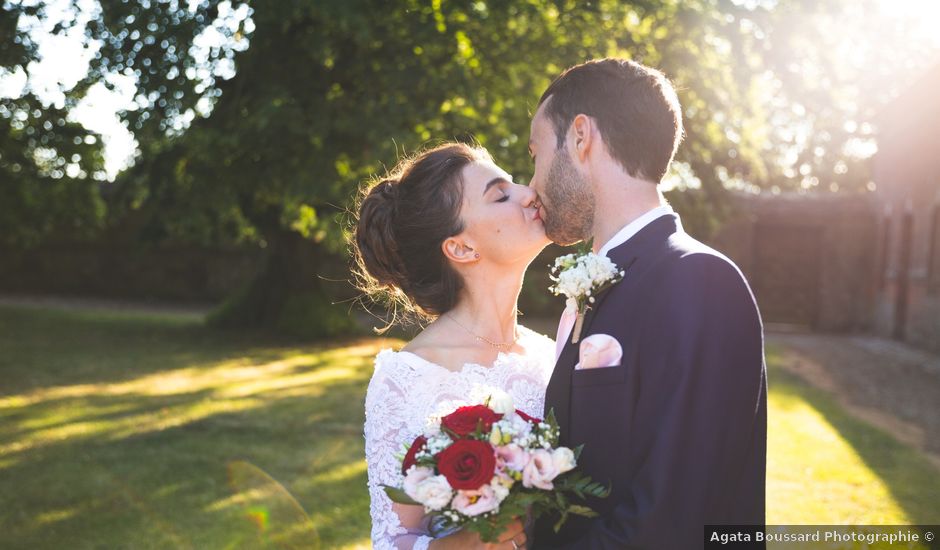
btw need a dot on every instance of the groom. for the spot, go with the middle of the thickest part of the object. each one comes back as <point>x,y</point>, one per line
<point>678,425</point>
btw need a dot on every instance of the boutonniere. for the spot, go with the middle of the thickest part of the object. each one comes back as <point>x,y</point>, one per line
<point>580,277</point>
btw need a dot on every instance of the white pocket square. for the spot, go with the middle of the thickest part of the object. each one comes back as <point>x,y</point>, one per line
<point>599,350</point>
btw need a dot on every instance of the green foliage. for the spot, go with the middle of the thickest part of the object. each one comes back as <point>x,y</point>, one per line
<point>45,166</point>
<point>310,314</point>
<point>298,102</point>
<point>304,314</point>
<point>399,496</point>
<point>307,99</point>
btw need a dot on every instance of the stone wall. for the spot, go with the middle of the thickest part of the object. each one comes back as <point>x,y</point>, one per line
<point>907,178</point>
<point>809,258</point>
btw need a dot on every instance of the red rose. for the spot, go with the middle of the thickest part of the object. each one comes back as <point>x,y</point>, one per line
<point>467,464</point>
<point>528,418</point>
<point>465,420</point>
<point>409,460</point>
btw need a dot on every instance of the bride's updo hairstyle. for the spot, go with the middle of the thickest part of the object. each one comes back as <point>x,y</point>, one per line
<point>402,221</point>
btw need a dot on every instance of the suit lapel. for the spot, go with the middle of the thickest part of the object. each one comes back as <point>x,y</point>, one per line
<point>625,256</point>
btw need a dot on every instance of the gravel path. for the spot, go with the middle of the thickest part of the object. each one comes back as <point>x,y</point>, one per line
<point>889,384</point>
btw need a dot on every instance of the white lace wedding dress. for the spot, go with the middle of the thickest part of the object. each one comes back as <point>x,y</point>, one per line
<point>406,390</point>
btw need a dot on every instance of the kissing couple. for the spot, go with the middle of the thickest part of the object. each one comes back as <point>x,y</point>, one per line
<point>661,378</point>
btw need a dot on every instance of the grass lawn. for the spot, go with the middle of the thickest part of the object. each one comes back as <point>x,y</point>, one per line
<point>123,430</point>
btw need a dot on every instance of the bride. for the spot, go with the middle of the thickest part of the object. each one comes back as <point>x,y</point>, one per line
<point>448,235</point>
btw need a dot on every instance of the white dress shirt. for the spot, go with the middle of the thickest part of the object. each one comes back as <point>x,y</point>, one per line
<point>634,227</point>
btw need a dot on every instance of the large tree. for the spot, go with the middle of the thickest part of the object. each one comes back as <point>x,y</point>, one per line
<point>47,162</point>
<point>295,103</point>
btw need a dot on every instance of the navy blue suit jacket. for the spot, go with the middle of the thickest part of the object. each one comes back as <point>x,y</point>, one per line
<point>679,427</point>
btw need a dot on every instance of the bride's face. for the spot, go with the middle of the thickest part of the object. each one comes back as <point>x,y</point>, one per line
<point>501,220</point>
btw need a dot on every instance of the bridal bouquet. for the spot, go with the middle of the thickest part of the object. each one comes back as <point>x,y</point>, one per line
<point>483,465</point>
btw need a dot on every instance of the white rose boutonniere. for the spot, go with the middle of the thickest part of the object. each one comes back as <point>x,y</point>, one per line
<point>580,277</point>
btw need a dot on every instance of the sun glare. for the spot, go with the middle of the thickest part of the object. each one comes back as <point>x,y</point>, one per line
<point>920,18</point>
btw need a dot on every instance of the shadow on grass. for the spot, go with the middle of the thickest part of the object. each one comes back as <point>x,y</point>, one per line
<point>174,486</point>
<point>47,347</point>
<point>911,479</point>
<point>121,431</point>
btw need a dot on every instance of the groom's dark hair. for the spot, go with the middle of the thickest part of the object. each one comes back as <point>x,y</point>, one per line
<point>635,107</point>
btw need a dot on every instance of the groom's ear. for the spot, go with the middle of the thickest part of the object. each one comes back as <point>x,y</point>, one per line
<point>582,134</point>
<point>458,251</point>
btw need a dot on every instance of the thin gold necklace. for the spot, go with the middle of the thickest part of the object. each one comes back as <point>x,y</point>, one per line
<point>497,345</point>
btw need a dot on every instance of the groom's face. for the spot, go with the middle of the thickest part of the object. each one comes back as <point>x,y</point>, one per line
<point>567,201</point>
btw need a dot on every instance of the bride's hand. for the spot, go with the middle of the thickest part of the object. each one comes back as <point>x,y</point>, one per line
<point>510,539</point>
<point>513,537</point>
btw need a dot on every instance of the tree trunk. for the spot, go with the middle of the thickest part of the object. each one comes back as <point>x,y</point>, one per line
<point>286,296</point>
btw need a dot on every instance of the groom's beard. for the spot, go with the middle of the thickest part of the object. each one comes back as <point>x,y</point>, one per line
<point>570,202</point>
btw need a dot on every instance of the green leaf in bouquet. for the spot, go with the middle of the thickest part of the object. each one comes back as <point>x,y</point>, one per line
<point>550,418</point>
<point>581,485</point>
<point>582,511</point>
<point>489,527</point>
<point>453,435</point>
<point>577,451</point>
<point>399,496</point>
<point>527,498</point>
<point>427,462</point>
<point>595,489</point>
<point>478,433</point>
<point>561,521</point>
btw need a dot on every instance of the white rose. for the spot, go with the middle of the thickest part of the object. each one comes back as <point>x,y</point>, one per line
<point>414,476</point>
<point>474,503</point>
<point>563,457</point>
<point>501,402</point>
<point>434,493</point>
<point>540,471</point>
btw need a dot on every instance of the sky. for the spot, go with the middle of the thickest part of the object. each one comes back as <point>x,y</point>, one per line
<point>63,62</point>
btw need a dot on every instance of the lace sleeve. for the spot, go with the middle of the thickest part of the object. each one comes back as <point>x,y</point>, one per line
<point>394,526</point>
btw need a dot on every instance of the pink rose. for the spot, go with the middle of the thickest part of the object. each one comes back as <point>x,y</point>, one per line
<point>474,503</point>
<point>540,471</point>
<point>512,457</point>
